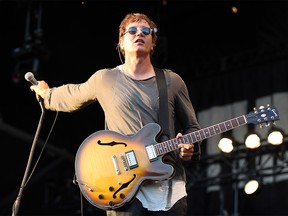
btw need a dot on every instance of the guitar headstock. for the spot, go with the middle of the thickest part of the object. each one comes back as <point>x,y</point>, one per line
<point>263,115</point>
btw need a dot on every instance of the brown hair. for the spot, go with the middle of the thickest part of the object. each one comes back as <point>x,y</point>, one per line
<point>137,17</point>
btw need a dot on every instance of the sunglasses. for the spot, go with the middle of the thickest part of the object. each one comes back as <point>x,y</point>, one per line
<point>145,30</point>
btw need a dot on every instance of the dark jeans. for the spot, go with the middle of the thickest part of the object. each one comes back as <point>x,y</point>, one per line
<point>136,209</point>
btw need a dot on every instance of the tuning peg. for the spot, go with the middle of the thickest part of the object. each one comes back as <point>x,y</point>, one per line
<point>267,124</point>
<point>261,125</point>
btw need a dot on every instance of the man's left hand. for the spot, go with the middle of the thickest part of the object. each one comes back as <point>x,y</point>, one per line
<point>185,150</point>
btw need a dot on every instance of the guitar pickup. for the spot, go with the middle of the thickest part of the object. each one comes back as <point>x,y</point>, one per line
<point>151,153</point>
<point>131,159</point>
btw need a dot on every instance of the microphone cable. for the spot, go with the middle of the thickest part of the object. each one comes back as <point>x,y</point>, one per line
<point>43,147</point>
<point>26,177</point>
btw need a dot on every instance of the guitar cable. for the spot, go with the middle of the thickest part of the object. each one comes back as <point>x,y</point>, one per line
<point>75,182</point>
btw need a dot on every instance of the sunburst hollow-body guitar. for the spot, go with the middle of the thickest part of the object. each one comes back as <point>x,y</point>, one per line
<point>110,167</point>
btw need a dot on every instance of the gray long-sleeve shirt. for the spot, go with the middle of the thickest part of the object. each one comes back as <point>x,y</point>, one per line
<point>128,104</point>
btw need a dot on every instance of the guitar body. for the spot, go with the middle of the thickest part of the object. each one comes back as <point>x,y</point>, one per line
<point>110,167</point>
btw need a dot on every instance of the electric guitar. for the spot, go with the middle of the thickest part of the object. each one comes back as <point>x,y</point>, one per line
<point>110,167</point>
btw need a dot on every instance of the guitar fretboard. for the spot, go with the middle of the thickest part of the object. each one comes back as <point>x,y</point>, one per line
<point>196,136</point>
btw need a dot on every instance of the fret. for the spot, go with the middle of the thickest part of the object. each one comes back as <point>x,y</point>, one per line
<point>169,145</point>
<point>222,127</point>
<point>165,149</point>
<point>162,148</point>
<point>181,140</point>
<point>212,131</point>
<point>206,131</point>
<point>241,120</point>
<point>189,139</point>
<point>202,134</point>
<point>228,125</point>
<point>234,123</point>
<point>156,149</point>
<point>174,144</point>
<point>193,137</point>
<point>217,129</point>
<point>159,148</point>
<point>186,140</point>
<point>197,136</point>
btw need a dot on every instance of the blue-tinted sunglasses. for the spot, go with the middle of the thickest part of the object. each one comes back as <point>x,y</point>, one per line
<point>145,30</point>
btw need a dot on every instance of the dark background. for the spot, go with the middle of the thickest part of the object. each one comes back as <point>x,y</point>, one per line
<point>223,57</point>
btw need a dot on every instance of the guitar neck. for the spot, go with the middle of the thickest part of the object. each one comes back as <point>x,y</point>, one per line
<point>197,136</point>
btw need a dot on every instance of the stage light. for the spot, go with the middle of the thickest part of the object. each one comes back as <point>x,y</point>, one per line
<point>252,141</point>
<point>234,9</point>
<point>251,186</point>
<point>226,145</point>
<point>275,136</point>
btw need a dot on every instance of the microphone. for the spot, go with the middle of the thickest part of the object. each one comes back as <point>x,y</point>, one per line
<point>29,76</point>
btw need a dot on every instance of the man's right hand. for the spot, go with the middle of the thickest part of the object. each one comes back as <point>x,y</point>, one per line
<point>41,89</point>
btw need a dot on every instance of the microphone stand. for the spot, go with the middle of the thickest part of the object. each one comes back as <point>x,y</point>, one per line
<point>16,204</point>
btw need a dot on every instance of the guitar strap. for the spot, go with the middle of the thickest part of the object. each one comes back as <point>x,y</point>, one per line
<point>163,115</point>
<point>163,104</point>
